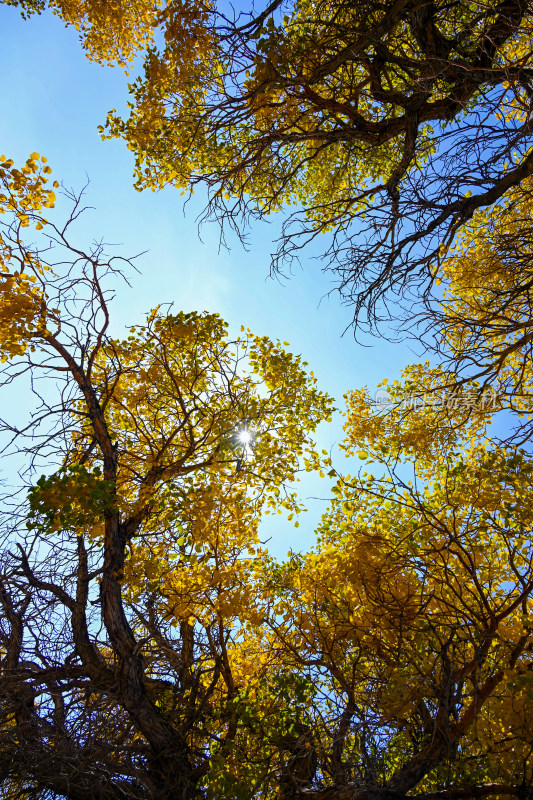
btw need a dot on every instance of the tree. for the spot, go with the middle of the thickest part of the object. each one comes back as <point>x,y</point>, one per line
<point>149,646</point>
<point>400,129</point>
<point>389,124</point>
<point>128,572</point>
<point>413,615</point>
<point>484,318</point>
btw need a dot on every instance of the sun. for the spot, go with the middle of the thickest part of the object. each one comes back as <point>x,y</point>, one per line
<point>245,436</point>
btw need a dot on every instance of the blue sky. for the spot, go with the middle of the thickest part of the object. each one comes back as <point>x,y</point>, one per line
<point>52,101</point>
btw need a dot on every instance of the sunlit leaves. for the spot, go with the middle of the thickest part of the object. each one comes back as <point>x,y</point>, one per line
<point>421,579</point>
<point>23,198</point>
<point>73,499</point>
<point>111,31</point>
<point>177,392</point>
<point>486,307</point>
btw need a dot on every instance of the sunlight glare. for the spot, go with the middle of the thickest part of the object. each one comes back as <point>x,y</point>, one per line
<point>245,437</point>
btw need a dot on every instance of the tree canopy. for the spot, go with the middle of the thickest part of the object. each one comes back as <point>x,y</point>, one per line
<point>388,124</point>
<point>151,648</point>
<point>150,516</point>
